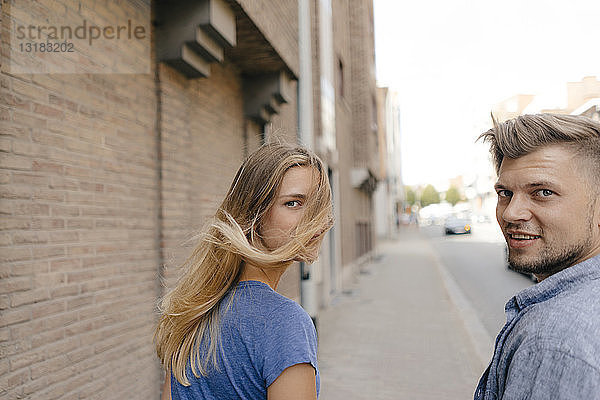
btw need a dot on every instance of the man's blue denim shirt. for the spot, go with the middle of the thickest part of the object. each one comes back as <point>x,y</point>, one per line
<point>550,345</point>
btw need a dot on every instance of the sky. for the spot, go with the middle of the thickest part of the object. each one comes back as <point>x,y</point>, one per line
<point>452,60</point>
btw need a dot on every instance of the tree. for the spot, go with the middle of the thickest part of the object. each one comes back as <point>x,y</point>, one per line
<point>453,196</point>
<point>429,196</point>
<point>411,196</point>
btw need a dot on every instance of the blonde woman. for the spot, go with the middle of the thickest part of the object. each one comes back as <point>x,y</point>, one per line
<point>224,333</point>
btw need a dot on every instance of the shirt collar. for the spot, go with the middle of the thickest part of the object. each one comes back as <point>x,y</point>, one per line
<point>559,282</point>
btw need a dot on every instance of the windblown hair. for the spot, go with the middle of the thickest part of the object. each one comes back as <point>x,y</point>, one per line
<point>188,328</point>
<point>525,134</point>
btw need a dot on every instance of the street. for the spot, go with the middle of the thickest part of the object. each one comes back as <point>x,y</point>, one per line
<point>397,334</point>
<point>420,321</point>
<point>477,264</point>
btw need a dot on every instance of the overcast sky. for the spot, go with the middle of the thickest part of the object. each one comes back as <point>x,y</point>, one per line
<point>452,60</point>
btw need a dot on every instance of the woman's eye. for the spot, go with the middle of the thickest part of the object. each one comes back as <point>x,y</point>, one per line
<point>292,204</point>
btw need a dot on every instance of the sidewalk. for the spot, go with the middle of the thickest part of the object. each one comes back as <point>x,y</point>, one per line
<point>398,335</point>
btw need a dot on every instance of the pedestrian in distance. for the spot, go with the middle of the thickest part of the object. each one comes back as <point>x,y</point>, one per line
<point>549,211</point>
<point>224,333</point>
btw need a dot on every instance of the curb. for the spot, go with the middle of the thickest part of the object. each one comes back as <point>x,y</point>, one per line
<point>481,339</point>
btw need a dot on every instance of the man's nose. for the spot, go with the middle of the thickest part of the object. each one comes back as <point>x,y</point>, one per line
<point>517,210</point>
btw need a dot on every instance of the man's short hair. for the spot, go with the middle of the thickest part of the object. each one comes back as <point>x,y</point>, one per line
<point>526,133</point>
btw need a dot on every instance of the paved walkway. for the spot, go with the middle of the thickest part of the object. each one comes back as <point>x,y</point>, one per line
<point>398,335</point>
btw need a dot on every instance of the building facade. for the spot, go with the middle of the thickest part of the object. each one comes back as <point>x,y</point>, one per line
<point>581,96</point>
<point>389,195</point>
<point>105,178</point>
<point>356,130</point>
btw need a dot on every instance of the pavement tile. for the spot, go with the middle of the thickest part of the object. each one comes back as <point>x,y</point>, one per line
<point>398,335</point>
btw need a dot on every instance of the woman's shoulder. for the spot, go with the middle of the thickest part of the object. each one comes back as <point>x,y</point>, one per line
<point>257,299</point>
<point>288,308</point>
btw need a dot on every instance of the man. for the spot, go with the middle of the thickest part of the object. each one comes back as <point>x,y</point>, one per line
<point>549,211</point>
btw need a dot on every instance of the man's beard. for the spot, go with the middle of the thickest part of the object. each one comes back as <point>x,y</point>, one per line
<point>550,260</point>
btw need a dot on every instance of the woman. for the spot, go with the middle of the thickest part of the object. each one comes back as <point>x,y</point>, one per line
<point>224,332</point>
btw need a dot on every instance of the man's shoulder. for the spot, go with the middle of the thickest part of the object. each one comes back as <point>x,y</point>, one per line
<point>571,308</point>
<point>574,309</point>
<point>568,322</point>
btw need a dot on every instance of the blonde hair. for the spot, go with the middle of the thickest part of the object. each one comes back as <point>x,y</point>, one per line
<point>526,133</point>
<point>188,328</point>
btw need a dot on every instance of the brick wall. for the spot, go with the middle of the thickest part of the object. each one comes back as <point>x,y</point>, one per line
<point>79,255</point>
<point>344,126</point>
<point>205,137</point>
<point>363,82</point>
<point>278,21</point>
<point>90,213</point>
<point>316,70</point>
<point>202,147</point>
<point>353,46</point>
<point>283,127</point>
<point>364,118</point>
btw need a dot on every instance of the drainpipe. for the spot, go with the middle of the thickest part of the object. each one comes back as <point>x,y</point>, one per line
<point>308,287</point>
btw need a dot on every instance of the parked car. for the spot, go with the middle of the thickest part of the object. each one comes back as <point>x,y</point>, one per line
<point>454,225</point>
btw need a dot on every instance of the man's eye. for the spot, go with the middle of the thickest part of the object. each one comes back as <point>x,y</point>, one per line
<point>504,193</point>
<point>545,192</point>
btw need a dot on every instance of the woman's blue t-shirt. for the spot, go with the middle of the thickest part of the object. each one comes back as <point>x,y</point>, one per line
<point>262,334</point>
